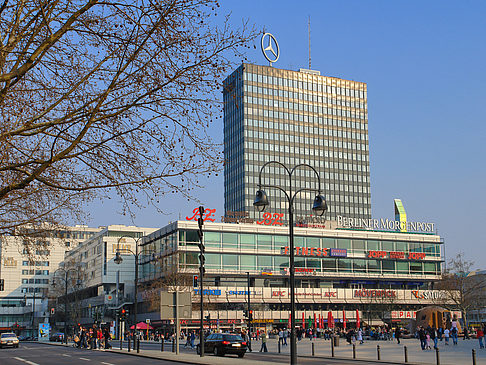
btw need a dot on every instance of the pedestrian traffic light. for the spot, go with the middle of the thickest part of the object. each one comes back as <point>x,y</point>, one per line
<point>245,313</point>
<point>208,318</point>
<point>195,279</point>
<point>250,315</point>
<point>123,314</point>
<point>2,284</point>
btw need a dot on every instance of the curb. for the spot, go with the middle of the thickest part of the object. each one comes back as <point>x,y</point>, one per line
<point>150,356</point>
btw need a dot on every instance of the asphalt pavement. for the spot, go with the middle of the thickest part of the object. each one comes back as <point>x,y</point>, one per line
<point>40,354</point>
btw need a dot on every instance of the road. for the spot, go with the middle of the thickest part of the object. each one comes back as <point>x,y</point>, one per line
<point>38,354</point>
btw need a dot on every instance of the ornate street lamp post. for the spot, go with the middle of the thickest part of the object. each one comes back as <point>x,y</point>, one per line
<point>319,207</point>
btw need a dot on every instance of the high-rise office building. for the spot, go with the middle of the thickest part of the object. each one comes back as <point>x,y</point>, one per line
<point>296,117</point>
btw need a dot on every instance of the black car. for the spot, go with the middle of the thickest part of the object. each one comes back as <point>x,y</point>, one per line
<point>221,344</point>
<point>57,337</point>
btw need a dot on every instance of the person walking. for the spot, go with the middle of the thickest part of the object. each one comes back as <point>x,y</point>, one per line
<point>360,336</point>
<point>454,335</point>
<point>423,338</point>
<point>398,334</point>
<point>480,336</point>
<point>280,337</point>
<point>285,335</point>
<point>434,337</point>
<point>446,337</point>
<point>263,336</point>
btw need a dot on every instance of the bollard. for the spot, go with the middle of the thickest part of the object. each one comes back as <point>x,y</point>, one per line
<point>405,351</point>
<point>278,346</point>
<point>134,342</point>
<point>354,351</point>
<point>162,344</point>
<point>138,346</point>
<point>378,352</point>
<point>313,353</point>
<point>173,344</point>
<point>474,356</point>
<point>128,344</point>
<point>437,358</point>
<point>121,343</point>
<point>332,347</point>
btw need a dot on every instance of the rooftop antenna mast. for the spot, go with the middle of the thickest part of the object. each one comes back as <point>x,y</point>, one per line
<point>309,30</point>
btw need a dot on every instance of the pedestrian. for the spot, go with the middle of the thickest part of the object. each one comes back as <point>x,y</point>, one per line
<point>423,338</point>
<point>454,335</point>
<point>398,335</point>
<point>427,347</point>
<point>360,336</point>
<point>285,335</point>
<point>446,336</point>
<point>192,335</point>
<point>263,336</point>
<point>246,337</point>
<point>433,336</point>
<point>280,337</point>
<point>480,337</point>
<point>466,334</point>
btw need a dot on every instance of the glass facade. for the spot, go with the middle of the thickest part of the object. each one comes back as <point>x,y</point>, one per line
<point>320,255</point>
<point>294,118</point>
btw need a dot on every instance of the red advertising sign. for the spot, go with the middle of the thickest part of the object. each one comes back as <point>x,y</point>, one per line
<point>396,255</point>
<point>208,214</point>
<point>307,251</point>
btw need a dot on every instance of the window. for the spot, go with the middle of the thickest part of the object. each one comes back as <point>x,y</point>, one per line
<point>264,242</point>
<point>359,265</point>
<point>264,263</point>
<point>212,239</point>
<point>344,265</point>
<point>230,262</point>
<point>247,262</point>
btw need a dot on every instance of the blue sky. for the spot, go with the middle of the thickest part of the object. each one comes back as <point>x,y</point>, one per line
<point>424,63</point>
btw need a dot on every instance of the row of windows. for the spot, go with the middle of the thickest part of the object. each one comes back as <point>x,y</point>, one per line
<point>34,290</point>
<point>324,85</point>
<point>279,264</point>
<point>35,263</point>
<point>295,100</point>
<point>35,272</point>
<point>35,281</point>
<point>233,241</point>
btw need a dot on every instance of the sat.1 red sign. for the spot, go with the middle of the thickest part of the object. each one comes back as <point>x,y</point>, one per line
<point>396,255</point>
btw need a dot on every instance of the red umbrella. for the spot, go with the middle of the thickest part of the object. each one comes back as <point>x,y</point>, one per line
<point>320,321</point>
<point>358,324</point>
<point>315,321</point>
<point>344,320</point>
<point>303,320</point>
<point>330,320</point>
<point>142,326</point>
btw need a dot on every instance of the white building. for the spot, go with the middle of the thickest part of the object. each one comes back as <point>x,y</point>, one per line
<point>26,277</point>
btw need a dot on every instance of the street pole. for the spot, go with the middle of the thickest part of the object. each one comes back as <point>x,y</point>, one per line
<point>249,308</point>
<point>33,315</point>
<point>136,286</point>
<point>200,222</point>
<point>65,304</point>
<point>293,343</point>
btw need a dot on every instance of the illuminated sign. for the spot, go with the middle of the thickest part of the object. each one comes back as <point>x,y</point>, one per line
<point>208,292</point>
<point>317,251</point>
<point>385,224</point>
<point>208,214</point>
<point>396,255</point>
<point>428,294</point>
<point>403,314</point>
<point>307,251</point>
<point>374,293</point>
<point>278,293</point>
<point>338,252</point>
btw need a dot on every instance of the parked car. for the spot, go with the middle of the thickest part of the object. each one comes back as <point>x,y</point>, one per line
<point>8,339</point>
<point>221,344</point>
<point>57,337</point>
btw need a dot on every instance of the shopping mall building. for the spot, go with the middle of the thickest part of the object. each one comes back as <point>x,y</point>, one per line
<point>361,267</point>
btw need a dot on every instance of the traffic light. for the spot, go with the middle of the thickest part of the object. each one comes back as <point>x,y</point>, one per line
<point>123,314</point>
<point>202,248</point>
<point>208,318</point>
<point>2,284</point>
<point>250,315</point>
<point>195,281</point>
<point>245,313</point>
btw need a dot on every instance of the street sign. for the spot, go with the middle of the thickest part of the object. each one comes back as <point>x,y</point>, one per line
<point>168,305</point>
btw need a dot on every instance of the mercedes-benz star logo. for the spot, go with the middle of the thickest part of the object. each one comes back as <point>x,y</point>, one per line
<point>269,50</point>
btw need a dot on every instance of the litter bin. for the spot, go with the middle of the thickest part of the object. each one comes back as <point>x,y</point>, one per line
<point>336,340</point>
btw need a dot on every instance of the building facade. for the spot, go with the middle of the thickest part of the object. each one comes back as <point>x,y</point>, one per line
<point>99,276</point>
<point>26,276</point>
<point>338,269</point>
<point>296,117</point>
